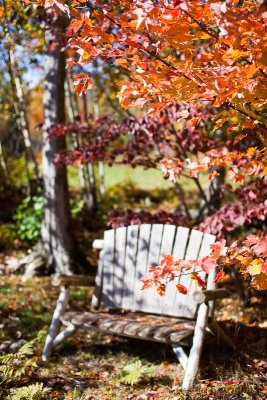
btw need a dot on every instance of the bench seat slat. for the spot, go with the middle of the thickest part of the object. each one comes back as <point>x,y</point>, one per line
<point>152,327</point>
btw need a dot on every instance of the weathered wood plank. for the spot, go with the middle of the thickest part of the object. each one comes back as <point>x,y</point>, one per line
<point>163,333</point>
<point>142,326</point>
<point>141,264</point>
<point>196,349</point>
<point>62,303</point>
<point>119,265</point>
<point>167,240</point>
<point>189,307</point>
<point>151,301</point>
<point>205,245</point>
<point>155,244</point>
<point>73,280</point>
<point>170,306</point>
<point>108,268</point>
<point>180,354</point>
<point>180,244</point>
<point>98,282</point>
<point>69,331</point>
<point>98,244</point>
<point>167,248</point>
<point>130,267</point>
<point>181,336</point>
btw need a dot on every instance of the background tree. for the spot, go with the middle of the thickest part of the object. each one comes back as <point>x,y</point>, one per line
<point>56,231</point>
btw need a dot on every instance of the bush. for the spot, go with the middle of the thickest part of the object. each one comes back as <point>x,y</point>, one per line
<point>28,218</point>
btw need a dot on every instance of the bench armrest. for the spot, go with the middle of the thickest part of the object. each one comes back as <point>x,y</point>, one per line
<point>73,280</point>
<point>98,244</point>
<point>208,295</point>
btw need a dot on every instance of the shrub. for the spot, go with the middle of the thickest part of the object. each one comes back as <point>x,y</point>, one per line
<point>28,218</point>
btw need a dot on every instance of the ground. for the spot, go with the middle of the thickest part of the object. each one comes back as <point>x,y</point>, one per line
<point>91,365</point>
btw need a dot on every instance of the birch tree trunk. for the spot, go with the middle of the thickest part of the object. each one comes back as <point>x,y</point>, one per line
<point>56,233</point>
<point>19,105</point>
<point>3,167</point>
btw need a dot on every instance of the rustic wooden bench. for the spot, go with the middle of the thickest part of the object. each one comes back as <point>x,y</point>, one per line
<point>119,306</point>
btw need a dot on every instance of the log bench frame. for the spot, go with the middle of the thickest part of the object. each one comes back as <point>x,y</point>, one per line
<point>202,300</point>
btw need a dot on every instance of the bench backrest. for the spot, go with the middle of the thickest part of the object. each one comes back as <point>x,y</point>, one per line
<point>125,258</point>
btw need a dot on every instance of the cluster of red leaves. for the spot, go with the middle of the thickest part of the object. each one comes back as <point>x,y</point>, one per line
<point>139,141</point>
<point>169,269</point>
<point>250,207</point>
<point>240,165</point>
<point>119,218</point>
<point>249,256</point>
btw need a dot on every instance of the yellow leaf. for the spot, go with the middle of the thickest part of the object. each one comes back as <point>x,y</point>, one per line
<point>205,36</point>
<point>255,267</point>
<point>251,151</point>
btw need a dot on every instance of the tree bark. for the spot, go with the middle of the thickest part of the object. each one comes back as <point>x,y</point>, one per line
<point>101,170</point>
<point>5,174</point>
<point>21,114</point>
<point>57,239</point>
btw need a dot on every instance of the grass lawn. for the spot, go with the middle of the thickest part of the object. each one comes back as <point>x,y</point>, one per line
<point>118,174</point>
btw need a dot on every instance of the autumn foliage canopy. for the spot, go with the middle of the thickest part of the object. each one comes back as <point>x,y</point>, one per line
<point>206,53</point>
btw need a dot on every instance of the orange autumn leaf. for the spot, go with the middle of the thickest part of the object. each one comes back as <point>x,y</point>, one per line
<point>181,288</point>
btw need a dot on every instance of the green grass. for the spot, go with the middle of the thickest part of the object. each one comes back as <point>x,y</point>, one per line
<point>143,179</point>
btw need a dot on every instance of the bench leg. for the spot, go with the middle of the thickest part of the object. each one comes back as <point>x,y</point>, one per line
<point>70,330</point>
<point>196,349</point>
<point>219,332</point>
<point>62,303</point>
<point>180,354</point>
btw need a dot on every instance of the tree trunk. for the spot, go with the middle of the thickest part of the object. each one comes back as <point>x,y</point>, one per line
<point>5,174</point>
<point>56,233</point>
<point>101,170</point>
<point>215,187</point>
<point>19,105</point>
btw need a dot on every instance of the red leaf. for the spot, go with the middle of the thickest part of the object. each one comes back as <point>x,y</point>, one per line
<point>167,260</point>
<point>82,83</point>
<point>161,288</point>
<point>207,263</point>
<point>217,248</point>
<point>198,279</point>
<point>181,288</point>
<point>219,276</point>
<point>260,247</point>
